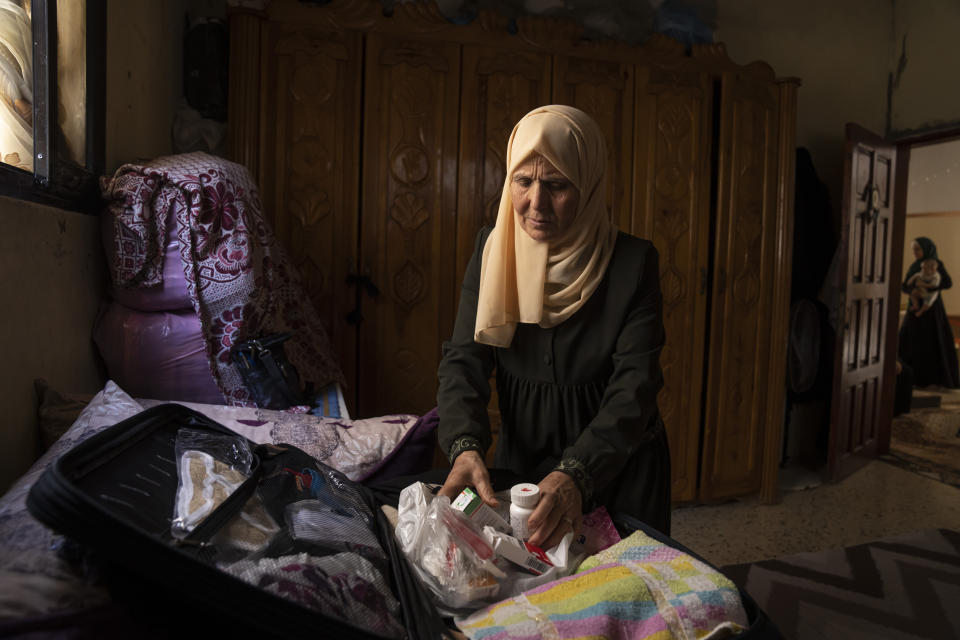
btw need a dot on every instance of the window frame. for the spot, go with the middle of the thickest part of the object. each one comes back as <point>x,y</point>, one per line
<point>54,180</point>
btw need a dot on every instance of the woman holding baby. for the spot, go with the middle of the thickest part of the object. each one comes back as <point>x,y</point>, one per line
<point>926,339</point>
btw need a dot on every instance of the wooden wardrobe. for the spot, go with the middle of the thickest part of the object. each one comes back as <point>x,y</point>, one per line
<point>378,143</point>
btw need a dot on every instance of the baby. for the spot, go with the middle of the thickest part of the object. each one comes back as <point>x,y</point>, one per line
<point>928,278</point>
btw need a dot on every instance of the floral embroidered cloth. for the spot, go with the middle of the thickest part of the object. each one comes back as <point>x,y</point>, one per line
<point>239,279</point>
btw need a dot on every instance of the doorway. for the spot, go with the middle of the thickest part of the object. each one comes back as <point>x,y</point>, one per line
<point>932,209</point>
<point>925,432</point>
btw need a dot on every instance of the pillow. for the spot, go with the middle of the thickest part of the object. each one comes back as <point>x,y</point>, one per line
<point>354,447</point>
<point>412,455</point>
<point>57,412</point>
<point>37,579</point>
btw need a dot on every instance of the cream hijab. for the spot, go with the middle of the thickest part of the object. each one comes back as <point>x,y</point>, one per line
<point>544,283</point>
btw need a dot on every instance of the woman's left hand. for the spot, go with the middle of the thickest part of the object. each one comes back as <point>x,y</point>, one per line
<point>558,512</point>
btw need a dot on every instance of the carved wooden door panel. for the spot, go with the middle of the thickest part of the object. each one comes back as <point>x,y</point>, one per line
<point>672,165</point>
<point>498,88</point>
<point>408,220</point>
<point>603,89</point>
<point>741,308</point>
<point>310,165</point>
<point>857,414</point>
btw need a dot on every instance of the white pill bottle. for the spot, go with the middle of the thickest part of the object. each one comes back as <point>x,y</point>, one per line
<point>523,500</point>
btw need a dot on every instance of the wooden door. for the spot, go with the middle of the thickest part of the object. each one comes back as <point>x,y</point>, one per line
<point>407,220</point>
<point>742,299</point>
<point>859,406</point>
<point>604,90</point>
<point>309,168</point>
<point>671,207</point>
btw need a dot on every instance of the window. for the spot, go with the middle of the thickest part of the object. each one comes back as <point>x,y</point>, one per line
<point>52,95</point>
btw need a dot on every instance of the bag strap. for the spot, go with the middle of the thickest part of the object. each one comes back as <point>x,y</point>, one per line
<point>270,363</point>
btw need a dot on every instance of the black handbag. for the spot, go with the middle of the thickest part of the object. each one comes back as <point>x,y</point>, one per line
<point>271,378</point>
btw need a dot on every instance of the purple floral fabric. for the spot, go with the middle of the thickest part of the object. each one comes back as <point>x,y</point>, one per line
<point>239,279</point>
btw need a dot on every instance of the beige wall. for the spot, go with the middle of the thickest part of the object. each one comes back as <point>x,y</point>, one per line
<point>144,78</point>
<point>841,52</point>
<point>934,188</point>
<point>925,93</point>
<point>53,276</point>
<point>934,180</point>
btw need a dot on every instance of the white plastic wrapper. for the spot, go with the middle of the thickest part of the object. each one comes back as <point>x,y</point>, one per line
<point>457,561</point>
<point>449,555</point>
<point>565,558</point>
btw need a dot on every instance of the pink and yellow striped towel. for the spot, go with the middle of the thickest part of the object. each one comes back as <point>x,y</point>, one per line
<point>638,588</point>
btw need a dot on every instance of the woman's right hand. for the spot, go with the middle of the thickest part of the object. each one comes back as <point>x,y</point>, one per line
<point>469,470</point>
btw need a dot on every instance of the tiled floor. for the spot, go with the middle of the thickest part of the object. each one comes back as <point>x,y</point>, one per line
<point>877,501</point>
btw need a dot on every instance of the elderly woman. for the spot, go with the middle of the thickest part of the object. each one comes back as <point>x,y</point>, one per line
<point>568,312</point>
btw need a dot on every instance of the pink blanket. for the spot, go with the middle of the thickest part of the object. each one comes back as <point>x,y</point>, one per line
<point>240,281</point>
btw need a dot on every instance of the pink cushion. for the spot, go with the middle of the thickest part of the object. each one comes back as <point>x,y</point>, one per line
<point>156,354</point>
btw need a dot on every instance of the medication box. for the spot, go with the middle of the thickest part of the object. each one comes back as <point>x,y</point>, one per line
<point>528,556</point>
<point>479,512</point>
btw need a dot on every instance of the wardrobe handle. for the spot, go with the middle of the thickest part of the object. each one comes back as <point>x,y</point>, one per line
<point>369,286</point>
<point>363,284</point>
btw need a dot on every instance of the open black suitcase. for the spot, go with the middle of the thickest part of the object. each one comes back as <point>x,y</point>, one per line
<point>115,495</point>
<point>164,581</point>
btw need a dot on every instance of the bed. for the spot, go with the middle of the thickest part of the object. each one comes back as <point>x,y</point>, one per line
<point>45,584</point>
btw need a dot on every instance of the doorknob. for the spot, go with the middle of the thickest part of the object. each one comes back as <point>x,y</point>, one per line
<point>872,196</point>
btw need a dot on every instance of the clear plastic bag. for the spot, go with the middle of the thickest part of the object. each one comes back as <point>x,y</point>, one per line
<point>209,468</point>
<point>449,555</point>
<point>458,562</point>
<point>247,533</point>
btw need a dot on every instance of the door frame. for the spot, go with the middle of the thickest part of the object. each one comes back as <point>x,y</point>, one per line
<point>895,277</point>
<point>901,184</point>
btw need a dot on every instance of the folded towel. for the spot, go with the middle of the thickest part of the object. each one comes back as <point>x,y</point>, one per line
<point>638,588</point>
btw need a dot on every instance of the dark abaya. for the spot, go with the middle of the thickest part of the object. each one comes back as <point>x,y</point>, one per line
<point>585,389</point>
<point>926,341</point>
